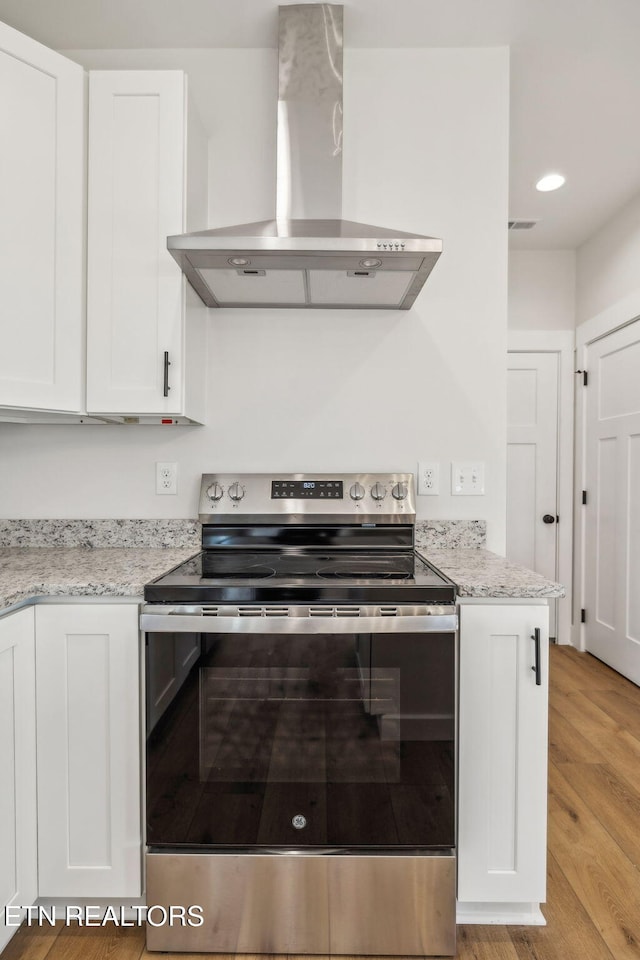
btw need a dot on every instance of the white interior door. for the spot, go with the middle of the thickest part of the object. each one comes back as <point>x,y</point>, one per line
<point>612,524</point>
<point>532,464</point>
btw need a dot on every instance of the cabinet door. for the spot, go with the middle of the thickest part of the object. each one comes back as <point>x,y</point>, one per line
<point>41,226</point>
<point>88,710</point>
<point>135,294</point>
<point>18,834</point>
<point>502,808</point>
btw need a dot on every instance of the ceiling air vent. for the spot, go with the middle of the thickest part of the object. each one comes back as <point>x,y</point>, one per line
<point>522,224</point>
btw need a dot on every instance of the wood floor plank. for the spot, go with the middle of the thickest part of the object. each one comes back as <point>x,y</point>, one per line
<point>32,943</point>
<point>603,878</point>
<point>485,943</point>
<point>146,955</point>
<point>615,804</point>
<point>98,943</point>
<point>575,671</point>
<point>567,744</point>
<point>569,934</point>
<point>562,674</point>
<point>623,707</point>
<point>587,672</point>
<point>611,738</point>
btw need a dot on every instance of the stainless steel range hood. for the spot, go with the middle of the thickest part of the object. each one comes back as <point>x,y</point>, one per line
<point>307,256</point>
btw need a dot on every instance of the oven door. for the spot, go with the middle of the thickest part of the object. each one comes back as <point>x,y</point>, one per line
<point>299,735</point>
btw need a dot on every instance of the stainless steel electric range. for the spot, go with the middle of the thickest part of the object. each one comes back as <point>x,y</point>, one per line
<point>301,703</point>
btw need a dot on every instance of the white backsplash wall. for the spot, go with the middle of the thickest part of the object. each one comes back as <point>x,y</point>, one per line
<point>426,149</point>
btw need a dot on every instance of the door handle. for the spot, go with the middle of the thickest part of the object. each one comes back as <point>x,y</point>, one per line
<point>166,365</point>
<point>548,518</point>
<point>537,668</point>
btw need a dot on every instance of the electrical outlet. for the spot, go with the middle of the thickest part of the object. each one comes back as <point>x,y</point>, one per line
<point>428,478</point>
<point>166,478</point>
<point>467,479</point>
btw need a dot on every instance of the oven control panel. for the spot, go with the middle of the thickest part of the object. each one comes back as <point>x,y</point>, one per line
<point>299,498</point>
<point>307,489</point>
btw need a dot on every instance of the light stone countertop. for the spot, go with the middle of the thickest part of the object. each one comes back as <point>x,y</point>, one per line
<point>29,572</point>
<point>480,573</point>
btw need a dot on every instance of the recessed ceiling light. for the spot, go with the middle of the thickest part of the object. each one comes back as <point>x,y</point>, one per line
<point>552,181</point>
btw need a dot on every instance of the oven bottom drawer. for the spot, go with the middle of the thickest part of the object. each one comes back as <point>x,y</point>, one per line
<point>395,905</point>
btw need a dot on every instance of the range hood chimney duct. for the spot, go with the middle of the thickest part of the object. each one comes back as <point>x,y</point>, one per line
<point>309,143</point>
<point>308,256</point>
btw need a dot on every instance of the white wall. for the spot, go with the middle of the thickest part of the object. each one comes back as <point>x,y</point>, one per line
<point>542,289</point>
<point>608,278</point>
<point>426,149</point>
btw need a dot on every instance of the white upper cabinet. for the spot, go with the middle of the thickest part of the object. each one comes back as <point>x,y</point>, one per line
<point>41,227</point>
<point>146,338</point>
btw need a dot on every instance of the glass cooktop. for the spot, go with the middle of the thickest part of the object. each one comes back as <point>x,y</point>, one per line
<point>217,566</point>
<point>277,576</point>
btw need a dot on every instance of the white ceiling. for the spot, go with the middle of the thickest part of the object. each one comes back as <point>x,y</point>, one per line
<point>575,77</point>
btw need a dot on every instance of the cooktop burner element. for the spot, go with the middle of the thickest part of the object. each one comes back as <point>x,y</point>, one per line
<point>368,568</point>
<point>236,567</point>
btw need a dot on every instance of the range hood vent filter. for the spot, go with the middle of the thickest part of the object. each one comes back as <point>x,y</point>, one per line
<point>303,259</point>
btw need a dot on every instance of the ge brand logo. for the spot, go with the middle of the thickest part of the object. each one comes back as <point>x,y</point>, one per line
<point>299,822</point>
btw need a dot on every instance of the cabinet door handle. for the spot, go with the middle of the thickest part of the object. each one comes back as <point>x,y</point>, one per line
<point>167,364</point>
<point>535,636</point>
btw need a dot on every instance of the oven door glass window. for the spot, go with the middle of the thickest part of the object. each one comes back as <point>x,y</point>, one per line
<point>297,741</point>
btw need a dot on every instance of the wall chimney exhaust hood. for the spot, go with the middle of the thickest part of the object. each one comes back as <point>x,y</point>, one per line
<point>308,256</point>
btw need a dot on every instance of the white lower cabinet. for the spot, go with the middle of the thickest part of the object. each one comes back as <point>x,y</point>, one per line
<point>502,804</point>
<point>18,825</point>
<point>88,735</point>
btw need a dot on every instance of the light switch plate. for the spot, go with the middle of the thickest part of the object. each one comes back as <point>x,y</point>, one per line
<point>467,478</point>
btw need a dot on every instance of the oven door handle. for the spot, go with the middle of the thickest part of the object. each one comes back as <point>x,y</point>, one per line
<point>183,619</point>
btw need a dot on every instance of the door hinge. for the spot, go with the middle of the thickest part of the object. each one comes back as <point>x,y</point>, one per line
<point>557,518</point>
<point>584,496</point>
<point>583,615</point>
<point>585,377</point>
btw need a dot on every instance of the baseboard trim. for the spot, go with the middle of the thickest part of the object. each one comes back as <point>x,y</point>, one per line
<point>525,914</point>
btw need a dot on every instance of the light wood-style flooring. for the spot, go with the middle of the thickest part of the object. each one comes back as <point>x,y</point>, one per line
<point>593,908</point>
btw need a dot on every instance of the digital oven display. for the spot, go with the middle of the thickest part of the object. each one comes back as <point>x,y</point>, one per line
<point>309,489</point>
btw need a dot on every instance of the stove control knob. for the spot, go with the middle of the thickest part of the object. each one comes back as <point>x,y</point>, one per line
<point>215,491</point>
<point>399,492</point>
<point>378,492</point>
<point>357,491</point>
<point>236,492</point>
